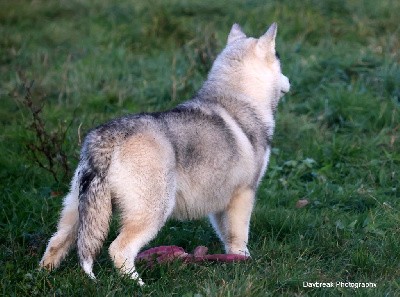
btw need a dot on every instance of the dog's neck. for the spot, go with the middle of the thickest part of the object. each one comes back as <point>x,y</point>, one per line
<point>228,90</point>
<point>249,81</point>
<point>240,107</point>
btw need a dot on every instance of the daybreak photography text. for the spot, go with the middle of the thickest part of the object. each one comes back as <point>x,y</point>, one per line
<point>339,284</point>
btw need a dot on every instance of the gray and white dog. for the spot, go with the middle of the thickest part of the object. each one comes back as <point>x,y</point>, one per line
<point>206,157</point>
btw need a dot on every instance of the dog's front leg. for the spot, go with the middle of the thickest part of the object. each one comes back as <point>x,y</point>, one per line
<point>232,224</point>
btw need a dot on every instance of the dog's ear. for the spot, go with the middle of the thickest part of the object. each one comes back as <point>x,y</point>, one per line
<point>235,34</point>
<point>266,43</point>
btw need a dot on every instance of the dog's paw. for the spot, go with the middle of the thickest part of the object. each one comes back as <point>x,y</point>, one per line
<point>46,264</point>
<point>135,276</point>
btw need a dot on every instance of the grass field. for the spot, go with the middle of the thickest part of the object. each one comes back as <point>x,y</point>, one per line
<point>337,141</point>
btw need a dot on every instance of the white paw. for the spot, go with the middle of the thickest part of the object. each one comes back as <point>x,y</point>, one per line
<point>239,251</point>
<point>135,276</point>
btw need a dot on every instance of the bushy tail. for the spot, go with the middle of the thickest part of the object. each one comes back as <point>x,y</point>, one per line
<point>87,208</point>
<point>95,207</point>
<point>95,211</point>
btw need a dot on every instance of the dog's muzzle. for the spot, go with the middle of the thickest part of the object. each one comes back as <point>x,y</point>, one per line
<point>285,85</point>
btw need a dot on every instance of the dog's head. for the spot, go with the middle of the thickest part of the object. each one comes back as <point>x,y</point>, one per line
<point>251,66</point>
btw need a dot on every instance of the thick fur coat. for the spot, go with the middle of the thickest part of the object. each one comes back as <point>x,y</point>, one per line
<point>206,157</point>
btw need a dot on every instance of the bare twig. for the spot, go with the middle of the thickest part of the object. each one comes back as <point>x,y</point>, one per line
<point>79,134</point>
<point>46,148</point>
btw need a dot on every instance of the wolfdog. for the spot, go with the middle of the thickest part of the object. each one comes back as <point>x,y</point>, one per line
<point>205,157</point>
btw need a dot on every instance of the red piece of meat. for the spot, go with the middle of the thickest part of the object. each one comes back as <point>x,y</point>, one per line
<point>164,254</point>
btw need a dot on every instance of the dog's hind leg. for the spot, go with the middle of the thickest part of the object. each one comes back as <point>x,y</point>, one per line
<point>232,224</point>
<point>61,242</point>
<point>143,185</point>
<point>134,234</point>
